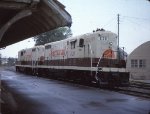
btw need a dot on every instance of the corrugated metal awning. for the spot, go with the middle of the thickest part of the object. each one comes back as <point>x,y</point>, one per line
<point>21,19</point>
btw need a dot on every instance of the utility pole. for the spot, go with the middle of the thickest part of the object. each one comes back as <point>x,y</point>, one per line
<point>118,37</point>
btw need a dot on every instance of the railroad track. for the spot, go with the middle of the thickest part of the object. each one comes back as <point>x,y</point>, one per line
<point>138,84</point>
<point>140,89</point>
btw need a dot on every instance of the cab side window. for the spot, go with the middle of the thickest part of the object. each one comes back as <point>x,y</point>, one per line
<point>33,49</point>
<point>21,53</point>
<point>81,43</point>
<point>48,47</point>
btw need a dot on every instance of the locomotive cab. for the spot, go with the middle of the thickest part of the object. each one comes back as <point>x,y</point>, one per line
<point>111,67</point>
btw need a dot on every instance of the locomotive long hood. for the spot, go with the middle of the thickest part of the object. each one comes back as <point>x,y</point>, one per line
<point>21,19</point>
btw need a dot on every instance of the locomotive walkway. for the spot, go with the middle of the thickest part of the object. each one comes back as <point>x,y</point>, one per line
<point>35,95</point>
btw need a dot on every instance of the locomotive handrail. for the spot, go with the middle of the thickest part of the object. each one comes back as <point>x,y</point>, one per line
<point>91,58</point>
<point>92,62</point>
<point>97,68</point>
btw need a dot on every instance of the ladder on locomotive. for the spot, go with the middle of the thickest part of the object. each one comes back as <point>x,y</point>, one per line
<point>35,67</point>
<point>97,68</point>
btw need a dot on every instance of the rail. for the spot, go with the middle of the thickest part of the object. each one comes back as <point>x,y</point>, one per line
<point>140,89</point>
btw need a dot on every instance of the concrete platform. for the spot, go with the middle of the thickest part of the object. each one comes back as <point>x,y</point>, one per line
<point>35,95</point>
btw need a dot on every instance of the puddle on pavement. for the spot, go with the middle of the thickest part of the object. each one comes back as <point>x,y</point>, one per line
<point>93,104</point>
<point>116,100</point>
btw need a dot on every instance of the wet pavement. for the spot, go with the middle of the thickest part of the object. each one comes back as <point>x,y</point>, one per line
<point>36,95</point>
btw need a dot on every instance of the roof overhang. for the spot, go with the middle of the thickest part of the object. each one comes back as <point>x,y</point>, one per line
<point>22,19</point>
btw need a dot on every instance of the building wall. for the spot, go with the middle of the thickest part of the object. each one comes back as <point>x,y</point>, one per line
<point>138,62</point>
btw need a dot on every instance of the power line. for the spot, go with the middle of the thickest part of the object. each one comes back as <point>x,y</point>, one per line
<point>138,18</point>
<point>109,22</point>
<point>135,22</point>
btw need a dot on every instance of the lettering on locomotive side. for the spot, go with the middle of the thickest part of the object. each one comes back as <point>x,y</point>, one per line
<point>28,56</point>
<point>58,53</point>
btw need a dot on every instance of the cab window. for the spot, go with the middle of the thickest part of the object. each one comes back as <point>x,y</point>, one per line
<point>33,49</point>
<point>81,43</point>
<point>48,47</point>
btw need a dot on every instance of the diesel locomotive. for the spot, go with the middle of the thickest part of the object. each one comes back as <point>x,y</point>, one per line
<point>91,57</point>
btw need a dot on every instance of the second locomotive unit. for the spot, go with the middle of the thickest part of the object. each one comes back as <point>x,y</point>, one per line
<point>89,57</point>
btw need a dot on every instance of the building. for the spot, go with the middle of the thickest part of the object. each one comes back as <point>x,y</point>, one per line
<point>138,62</point>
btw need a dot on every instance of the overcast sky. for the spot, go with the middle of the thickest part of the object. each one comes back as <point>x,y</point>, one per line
<point>88,15</point>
